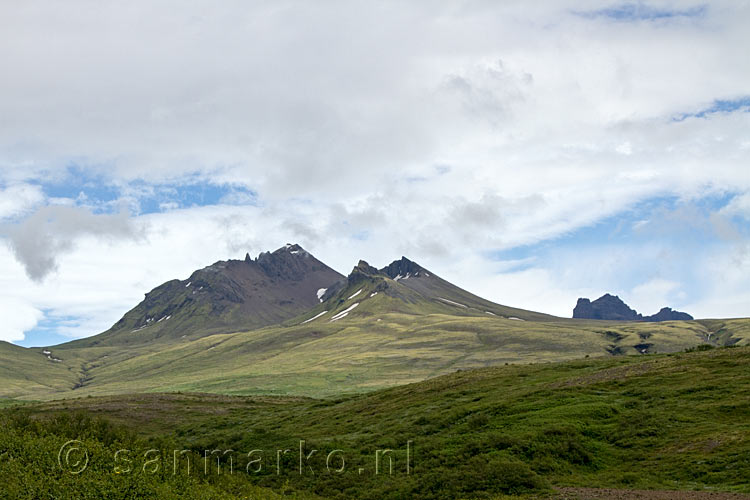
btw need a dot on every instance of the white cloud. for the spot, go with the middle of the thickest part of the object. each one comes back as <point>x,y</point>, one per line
<point>739,205</point>
<point>647,298</point>
<point>18,199</point>
<point>369,130</point>
<point>18,317</point>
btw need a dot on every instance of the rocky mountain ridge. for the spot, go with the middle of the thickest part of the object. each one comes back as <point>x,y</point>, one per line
<point>611,307</point>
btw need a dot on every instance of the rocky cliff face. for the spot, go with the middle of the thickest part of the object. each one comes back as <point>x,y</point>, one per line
<point>668,314</point>
<point>612,308</point>
<point>607,306</point>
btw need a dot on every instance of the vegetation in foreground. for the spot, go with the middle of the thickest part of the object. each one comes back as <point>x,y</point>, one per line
<point>674,421</point>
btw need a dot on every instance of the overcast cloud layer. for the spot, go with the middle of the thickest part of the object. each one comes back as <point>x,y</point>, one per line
<point>531,152</point>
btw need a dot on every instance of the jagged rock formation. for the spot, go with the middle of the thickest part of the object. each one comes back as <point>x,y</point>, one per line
<point>607,306</point>
<point>612,308</point>
<point>668,314</point>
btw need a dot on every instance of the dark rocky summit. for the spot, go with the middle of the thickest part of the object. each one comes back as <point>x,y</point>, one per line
<point>232,295</point>
<point>607,306</point>
<point>668,314</point>
<point>611,307</point>
<point>402,268</point>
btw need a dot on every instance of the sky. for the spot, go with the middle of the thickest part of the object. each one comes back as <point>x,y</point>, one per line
<point>529,152</point>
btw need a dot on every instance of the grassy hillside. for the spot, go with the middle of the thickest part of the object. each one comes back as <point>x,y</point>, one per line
<point>31,373</point>
<point>673,422</point>
<point>373,348</point>
<point>370,348</point>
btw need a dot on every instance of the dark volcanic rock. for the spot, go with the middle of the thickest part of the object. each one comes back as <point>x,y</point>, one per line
<point>668,314</point>
<point>605,307</point>
<point>402,268</point>
<point>583,309</point>
<point>611,307</point>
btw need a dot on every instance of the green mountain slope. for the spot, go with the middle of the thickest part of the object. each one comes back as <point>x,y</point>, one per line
<point>33,373</point>
<point>431,286</point>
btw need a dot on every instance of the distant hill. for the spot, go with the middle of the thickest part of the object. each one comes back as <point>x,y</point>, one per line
<point>611,307</point>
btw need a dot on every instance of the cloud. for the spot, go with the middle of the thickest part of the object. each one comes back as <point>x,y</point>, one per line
<point>370,130</point>
<point>18,199</point>
<point>40,239</point>
<point>739,205</point>
<point>648,297</point>
<point>18,317</point>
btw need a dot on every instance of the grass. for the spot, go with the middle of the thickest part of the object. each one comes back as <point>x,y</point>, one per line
<point>371,350</point>
<point>28,374</point>
<point>675,422</point>
<point>31,455</point>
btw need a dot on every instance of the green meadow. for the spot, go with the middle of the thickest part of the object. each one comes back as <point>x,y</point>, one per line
<point>666,421</point>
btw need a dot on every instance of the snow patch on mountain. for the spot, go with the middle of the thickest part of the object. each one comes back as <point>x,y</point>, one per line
<point>453,303</point>
<point>314,317</point>
<point>345,312</point>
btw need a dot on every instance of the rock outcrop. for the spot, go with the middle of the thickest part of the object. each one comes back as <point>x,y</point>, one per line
<point>612,308</point>
<point>668,314</point>
<point>607,306</point>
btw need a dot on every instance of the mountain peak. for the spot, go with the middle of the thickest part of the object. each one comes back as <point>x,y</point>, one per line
<point>362,271</point>
<point>364,267</point>
<point>291,248</point>
<point>402,268</point>
<point>233,294</point>
<point>605,307</point>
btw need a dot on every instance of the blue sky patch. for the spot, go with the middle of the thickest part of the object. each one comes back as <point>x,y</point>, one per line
<point>89,188</point>
<point>45,332</point>
<point>741,104</point>
<point>631,12</point>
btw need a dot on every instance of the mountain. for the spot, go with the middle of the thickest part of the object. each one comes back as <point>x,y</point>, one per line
<point>226,296</point>
<point>270,326</point>
<point>611,307</point>
<point>405,287</point>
